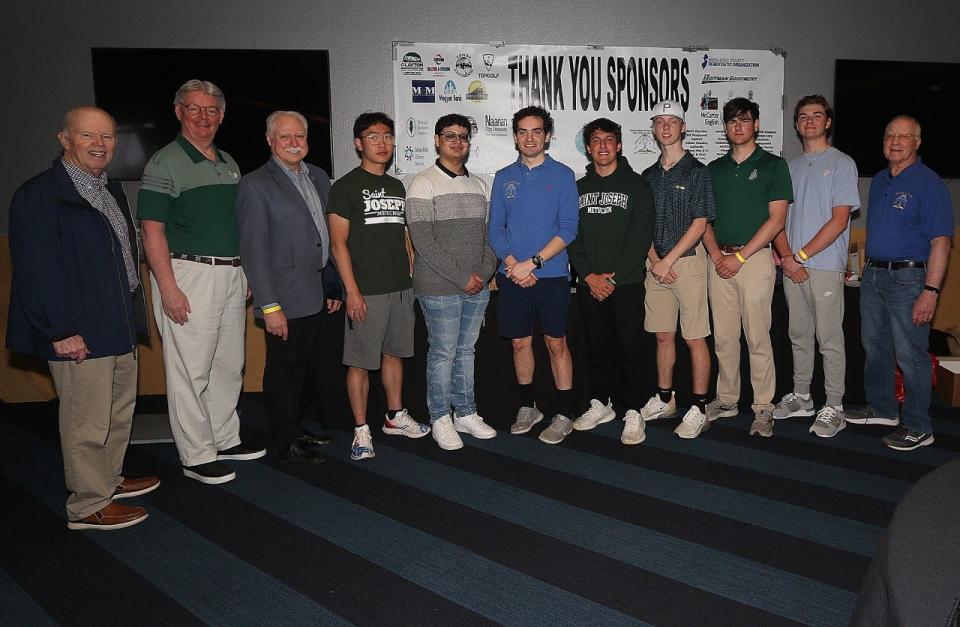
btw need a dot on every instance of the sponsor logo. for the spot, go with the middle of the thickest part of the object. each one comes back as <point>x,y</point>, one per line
<point>416,127</point>
<point>450,93</point>
<point>476,91</point>
<point>709,61</point>
<point>474,129</point>
<point>488,60</point>
<point>727,78</point>
<point>408,153</point>
<point>411,64</point>
<point>643,142</point>
<point>497,127</point>
<point>439,66</point>
<point>423,91</point>
<point>463,66</point>
<point>709,102</point>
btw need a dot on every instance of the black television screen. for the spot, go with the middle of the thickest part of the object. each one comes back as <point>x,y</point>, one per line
<point>867,94</point>
<point>137,85</point>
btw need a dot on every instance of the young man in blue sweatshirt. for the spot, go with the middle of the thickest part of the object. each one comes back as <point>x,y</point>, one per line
<point>534,211</point>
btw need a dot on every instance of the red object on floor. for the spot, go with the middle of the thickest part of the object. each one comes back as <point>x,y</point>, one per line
<point>898,389</point>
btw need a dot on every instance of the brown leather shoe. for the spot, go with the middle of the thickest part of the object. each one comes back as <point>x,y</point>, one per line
<point>113,516</point>
<point>135,487</point>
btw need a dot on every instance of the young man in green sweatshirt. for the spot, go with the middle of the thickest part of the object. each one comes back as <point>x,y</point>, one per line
<point>615,232</point>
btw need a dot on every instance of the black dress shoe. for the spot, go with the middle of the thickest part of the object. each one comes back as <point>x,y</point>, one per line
<point>312,439</point>
<point>296,455</point>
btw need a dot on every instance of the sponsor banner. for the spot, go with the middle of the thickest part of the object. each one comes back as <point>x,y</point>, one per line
<point>576,84</point>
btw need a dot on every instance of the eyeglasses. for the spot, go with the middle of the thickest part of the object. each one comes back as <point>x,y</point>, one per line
<point>194,110</point>
<point>376,138</point>
<point>892,137</point>
<point>451,137</point>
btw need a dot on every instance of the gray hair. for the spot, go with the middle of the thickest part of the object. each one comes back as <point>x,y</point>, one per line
<point>908,118</point>
<point>197,85</point>
<point>276,115</point>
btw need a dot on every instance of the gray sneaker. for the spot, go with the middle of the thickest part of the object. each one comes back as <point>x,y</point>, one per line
<point>716,410</point>
<point>526,418</point>
<point>869,416</point>
<point>560,427</point>
<point>829,422</point>
<point>793,406</point>
<point>762,423</point>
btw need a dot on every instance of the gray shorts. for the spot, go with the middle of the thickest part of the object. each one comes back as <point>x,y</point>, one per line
<point>387,330</point>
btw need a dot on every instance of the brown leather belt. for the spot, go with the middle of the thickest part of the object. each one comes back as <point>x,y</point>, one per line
<point>210,261</point>
<point>729,249</point>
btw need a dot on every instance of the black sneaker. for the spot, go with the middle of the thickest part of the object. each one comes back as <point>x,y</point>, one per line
<point>906,440</point>
<point>314,439</point>
<point>211,473</point>
<point>241,452</point>
<point>296,455</point>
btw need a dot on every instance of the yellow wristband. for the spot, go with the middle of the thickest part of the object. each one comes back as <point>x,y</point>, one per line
<point>803,255</point>
<point>739,257</point>
<point>271,309</point>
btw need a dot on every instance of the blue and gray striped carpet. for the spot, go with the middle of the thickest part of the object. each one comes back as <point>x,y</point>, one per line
<point>724,529</point>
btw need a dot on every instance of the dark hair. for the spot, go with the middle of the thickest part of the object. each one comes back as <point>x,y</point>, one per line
<point>809,100</point>
<point>536,112</point>
<point>738,106</point>
<point>452,119</point>
<point>601,124</point>
<point>368,119</point>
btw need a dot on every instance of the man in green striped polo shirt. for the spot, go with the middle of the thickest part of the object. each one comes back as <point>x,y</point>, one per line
<point>189,227</point>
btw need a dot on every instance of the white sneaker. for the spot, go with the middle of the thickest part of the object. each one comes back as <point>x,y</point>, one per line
<point>403,424</point>
<point>633,428</point>
<point>362,447</point>
<point>596,415</point>
<point>560,427</point>
<point>656,408</point>
<point>474,425</point>
<point>445,435</point>
<point>694,423</point>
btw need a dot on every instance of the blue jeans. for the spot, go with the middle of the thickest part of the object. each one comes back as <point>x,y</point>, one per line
<point>887,331</point>
<point>453,325</point>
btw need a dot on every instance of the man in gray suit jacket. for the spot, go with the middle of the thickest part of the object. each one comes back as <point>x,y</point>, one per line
<point>285,250</point>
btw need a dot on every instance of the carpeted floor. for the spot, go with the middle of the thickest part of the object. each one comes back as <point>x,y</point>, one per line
<point>721,530</point>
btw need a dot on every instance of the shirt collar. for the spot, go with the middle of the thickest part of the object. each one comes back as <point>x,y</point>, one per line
<point>280,164</point>
<point>195,155</point>
<point>83,180</point>
<point>451,173</point>
<point>756,154</point>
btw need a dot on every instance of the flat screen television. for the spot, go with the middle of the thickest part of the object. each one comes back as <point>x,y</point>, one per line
<point>867,94</point>
<point>137,85</point>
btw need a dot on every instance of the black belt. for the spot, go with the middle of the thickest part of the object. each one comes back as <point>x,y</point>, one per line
<point>210,261</point>
<point>896,265</point>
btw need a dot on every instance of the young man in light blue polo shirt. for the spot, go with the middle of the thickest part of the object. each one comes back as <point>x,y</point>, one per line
<point>534,213</point>
<point>814,251</point>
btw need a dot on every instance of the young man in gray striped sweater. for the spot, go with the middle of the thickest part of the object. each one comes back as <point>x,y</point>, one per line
<point>446,210</point>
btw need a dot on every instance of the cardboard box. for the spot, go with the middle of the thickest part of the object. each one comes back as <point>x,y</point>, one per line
<point>948,381</point>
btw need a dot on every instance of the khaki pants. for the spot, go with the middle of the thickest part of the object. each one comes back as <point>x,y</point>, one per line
<point>97,398</point>
<point>744,302</point>
<point>816,313</point>
<point>203,359</point>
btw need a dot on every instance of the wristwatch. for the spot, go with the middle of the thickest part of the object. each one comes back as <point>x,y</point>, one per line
<point>537,261</point>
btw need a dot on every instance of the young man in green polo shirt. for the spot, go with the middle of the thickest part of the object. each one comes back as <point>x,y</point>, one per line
<point>752,189</point>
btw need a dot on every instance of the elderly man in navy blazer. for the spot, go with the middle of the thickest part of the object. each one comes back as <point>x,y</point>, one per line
<point>286,252</point>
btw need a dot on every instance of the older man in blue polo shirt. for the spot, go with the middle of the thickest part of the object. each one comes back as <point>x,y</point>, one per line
<point>909,233</point>
<point>534,213</point>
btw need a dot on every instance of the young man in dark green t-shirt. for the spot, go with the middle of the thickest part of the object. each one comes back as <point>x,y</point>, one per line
<point>370,244</point>
<point>752,190</point>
